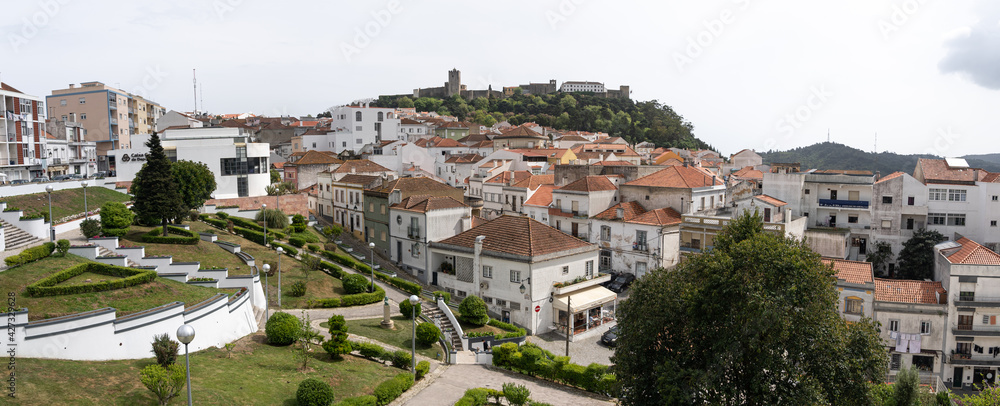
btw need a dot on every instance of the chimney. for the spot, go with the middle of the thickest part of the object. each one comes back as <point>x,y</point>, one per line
<point>878,175</point>
<point>620,213</point>
<point>477,261</point>
<point>72,86</point>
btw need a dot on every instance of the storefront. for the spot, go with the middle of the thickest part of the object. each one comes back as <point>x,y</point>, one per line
<point>588,308</point>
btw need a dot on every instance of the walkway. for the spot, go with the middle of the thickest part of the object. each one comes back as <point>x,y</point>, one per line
<point>454,380</point>
<point>74,236</point>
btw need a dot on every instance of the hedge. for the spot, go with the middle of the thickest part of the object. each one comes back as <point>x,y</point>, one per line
<point>155,236</point>
<point>389,390</point>
<point>366,400</point>
<point>423,367</point>
<point>242,222</point>
<point>292,252</point>
<point>296,241</point>
<point>369,350</point>
<point>220,224</point>
<point>257,237</point>
<point>535,361</point>
<point>114,232</point>
<point>352,300</point>
<point>404,285</point>
<point>473,397</point>
<point>513,331</point>
<point>31,254</point>
<point>129,277</point>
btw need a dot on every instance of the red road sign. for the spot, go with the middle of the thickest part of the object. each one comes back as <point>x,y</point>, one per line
<point>538,309</point>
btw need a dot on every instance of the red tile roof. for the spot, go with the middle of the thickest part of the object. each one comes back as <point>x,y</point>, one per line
<point>676,177</point>
<point>520,236</point>
<point>424,203</point>
<point>614,163</point>
<point>851,271</point>
<point>506,176</point>
<point>8,88</point>
<point>312,157</point>
<point>893,175</point>
<point>749,172</point>
<point>629,211</point>
<point>972,253</point>
<point>937,171</point>
<point>542,196</point>
<point>360,166</point>
<point>572,138</point>
<point>770,200</point>
<point>520,132</point>
<point>660,217</point>
<point>908,291</point>
<point>363,180</point>
<point>464,159</point>
<point>534,181</point>
<point>590,184</point>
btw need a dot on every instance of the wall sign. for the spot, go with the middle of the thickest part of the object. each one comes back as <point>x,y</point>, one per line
<point>133,157</point>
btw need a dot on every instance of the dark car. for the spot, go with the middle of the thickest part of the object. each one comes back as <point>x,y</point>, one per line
<point>621,282</point>
<point>18,181</point>
<point>613,276</point>
<point>60,177</point>
<point>40,179</point>
<point>610,337</point>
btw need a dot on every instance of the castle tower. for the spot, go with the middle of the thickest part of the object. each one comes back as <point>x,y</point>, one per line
<point>454,84</point>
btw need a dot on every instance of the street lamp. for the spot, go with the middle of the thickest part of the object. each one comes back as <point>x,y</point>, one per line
<point>371,249</point>
<point>263,214</point>
<point>267,270</point>
<point>280,251</point>
<point>185,333</point>
<point>52,227</point>
<point>522,288</point>
<point>413,340</point>
<point>86,212</point>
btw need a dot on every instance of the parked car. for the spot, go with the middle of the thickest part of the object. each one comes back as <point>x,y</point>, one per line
<point>610,337</point>
<point>613,276</point>
<point>60,177</point>
<point>76,176</point>
<point>18,181</point>
<point>622,282</point>
<point>99,175</point>
<point>40,179</point>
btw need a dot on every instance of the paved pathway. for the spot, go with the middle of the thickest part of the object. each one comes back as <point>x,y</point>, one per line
<point>582,351</point>
<point>454,380</point>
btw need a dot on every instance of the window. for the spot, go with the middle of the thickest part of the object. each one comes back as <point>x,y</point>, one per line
<point>357,116</point>
<point>383,235</point>
<point>640,268</point>
<point>886,199</point>
<point>487,271</point>
<point>565,270</point>
<point>605,233</point>
<point>501,303</point>
<point>83,116</point>
<point>993,223</point>
<point>380,116</point>
<point>956,219</point>
<point>886,223</point>
<point>415,250</point>
<point>382,206</point>
<point>807,191</point>
<point>62,102</point>
<point>558,225</point>
<point>925,327</point>
<point>935,218</point>
<point>853,306</point>
<point>956,195</point>
<point>937,194</point>
<point>994,198</point>
<point>893,325</point>
<point>515,276</point>
<point>894,364</point>
<point>83,100</point>
<point>853,195</point>
<point>852,219</point>
<point>487,300</point>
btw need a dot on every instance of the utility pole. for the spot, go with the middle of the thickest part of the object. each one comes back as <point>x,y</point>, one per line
<point>569,319</point>
<point>194,81</point>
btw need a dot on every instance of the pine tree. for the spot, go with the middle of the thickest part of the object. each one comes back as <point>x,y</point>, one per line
<point>154,187</point>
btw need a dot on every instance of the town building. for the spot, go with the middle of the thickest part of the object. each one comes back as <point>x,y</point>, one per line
<point>379,199</point>
<point>576,202</point>
<point>415,222</point>
<point>914,319</point>
<point>303,170</point>
<point>635,240</point>
<point>21,134</point>
<point>685,189</point>
<point>347,195</point>
<point>67,151</point>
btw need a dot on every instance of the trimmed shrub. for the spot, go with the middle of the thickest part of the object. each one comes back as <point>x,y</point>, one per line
<point>63,247</point>
<point>408,310</point>
<point>245,223</point>
<point>31,254</point>
<point>331,269</point>
<point>298,219</point>
<point>369,350</point>
<point>473,311</point>
<point>355,283</point>
<point>275,218</point>
<point>366,400</point>
<point>298,289</point>
<point>255,236</point>
<point>282,329</point>
<point>389,390</point>
<point>222,215</point>
<point>297,242</point>
<point>441,293</point>
<point>165,350</point>
<point>220,224</point>
<point>338,344</point>
<point>516,394</point>
<point>423,367</point>
<point>193,215</point>
<point>292,252</point>
<point>114,232</point>
<point>165,383</point>
<point>427,333</point>
<point>129,277</point>
<point>116,215</point>
<point>90,227</point>
<point>298,228</point>
<point>181,236</point>
<point>401,359</point>
<point>313,247</point>
<point>314,392</point>
<point>352,300</point>
<point>512,330</point>
<point>473,397</point>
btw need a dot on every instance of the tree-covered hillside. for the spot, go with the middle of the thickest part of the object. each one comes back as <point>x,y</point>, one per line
<point>830,155</point>
<point>634,121</point>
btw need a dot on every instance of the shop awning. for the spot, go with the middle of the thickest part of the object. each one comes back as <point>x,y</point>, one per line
<point>589,298</point>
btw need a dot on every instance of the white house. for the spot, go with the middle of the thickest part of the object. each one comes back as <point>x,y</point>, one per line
<point>526,272</point>
<point>634,240</point>
<point>576,202</point>
<point>899,208</point>
<point>914,318</point>
<point>416,221</point>
<point>177,119</point>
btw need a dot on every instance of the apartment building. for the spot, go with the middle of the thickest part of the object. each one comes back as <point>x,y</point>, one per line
<point>635,240</point>
<point>682,188</point>
<point>899,209</point>
<point>573,204</point>
<point>379,199</point>
<point>415,222</point>
<point>914,318</point>
<point>110,116</point>
<point>22,143</point>
<point>353,127</point>
<point>961,200</point>
<point>67,151</point>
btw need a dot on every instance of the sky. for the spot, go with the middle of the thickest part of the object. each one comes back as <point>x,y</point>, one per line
<point>907,76</point>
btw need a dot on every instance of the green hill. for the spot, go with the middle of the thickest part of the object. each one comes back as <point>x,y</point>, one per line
<point>635,121</point>
<point>830,155</point>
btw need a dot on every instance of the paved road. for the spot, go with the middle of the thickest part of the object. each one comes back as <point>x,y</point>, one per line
<point>582,351</point>
<point>448,387</point>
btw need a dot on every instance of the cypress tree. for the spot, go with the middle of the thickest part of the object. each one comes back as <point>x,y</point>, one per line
<point>156,193</point>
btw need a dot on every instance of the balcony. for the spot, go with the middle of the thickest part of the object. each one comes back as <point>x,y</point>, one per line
<point>114,121</point>
<point>973,359</point>
<point>970,299</point>
<point>844,204</point>
<point>112,105</point>
<point>978,330</point>
<point>643,247</point>
<point>413,231</point>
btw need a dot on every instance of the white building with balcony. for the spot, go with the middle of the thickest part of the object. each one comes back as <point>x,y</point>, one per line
<point>67,151</point>
<point>899,208</point>
<point>635,240</point>
<point>22,143</point>
<point>573,204</point>
<point>415,222</point>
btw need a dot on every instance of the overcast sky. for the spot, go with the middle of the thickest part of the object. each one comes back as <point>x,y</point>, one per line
<point>923,75</point>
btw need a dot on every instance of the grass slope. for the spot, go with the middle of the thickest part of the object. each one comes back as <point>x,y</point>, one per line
<point>399,336</point>
<point>257,374</point>
<point>65,202</point>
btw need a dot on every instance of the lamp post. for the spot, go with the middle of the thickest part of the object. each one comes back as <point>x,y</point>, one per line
<point>280,251</point>
<point>86,212</point>
<point>267,270</point>
<point>413,340</point>
<point>371,249</point>
<point>263,213</point>
<point>52,227</point>
<point>185,334</point>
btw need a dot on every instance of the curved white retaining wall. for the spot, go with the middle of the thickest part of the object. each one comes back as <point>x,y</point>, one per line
<point>99,335</point>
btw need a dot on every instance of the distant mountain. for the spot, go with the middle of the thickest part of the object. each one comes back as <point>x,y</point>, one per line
<point>830,155</point>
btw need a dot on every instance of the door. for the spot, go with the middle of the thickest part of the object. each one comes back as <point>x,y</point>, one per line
<point>956,381</point>
<point>399,252</point>
<point>833,220</point>
<point>767,214</point>
<point>575,227</point>
<point>506,316</point>
<point>833,195</point>
<point>909,224</point>
<point>434,279</point>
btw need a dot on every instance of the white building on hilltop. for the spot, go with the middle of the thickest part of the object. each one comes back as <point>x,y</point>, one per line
<point>240,167</point>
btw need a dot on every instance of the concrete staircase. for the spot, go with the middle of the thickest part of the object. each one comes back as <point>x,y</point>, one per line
<point>104,252</point>
<point>16,238</point>
<point>432,312</point>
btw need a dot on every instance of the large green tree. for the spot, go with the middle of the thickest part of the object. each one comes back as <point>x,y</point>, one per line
<point>916,259</point>
<point>154,187</point>
<point>752,322</point>
<point>195,183</point>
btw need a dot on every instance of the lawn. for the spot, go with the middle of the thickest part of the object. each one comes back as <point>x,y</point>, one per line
<point>65,202</point>
<point>399,336</point>
<point>469,328</point>
<point>209,254</point>
<point>257,374</point>
<point>128,300</point>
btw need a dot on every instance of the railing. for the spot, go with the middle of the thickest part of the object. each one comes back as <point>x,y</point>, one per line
<point>640,247</point>
<point>992,328</point>
<point>114,121</point>
<point>112,105</point>
<point>413,232</point>
<point>972,297</point>
<point>850,204</point>
<point>926,378</point>
<point>689,247</point>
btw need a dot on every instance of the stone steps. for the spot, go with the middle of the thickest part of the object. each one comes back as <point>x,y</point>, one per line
<point>15,238</point>
<point>434,312</point>
<point>104,252</point>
